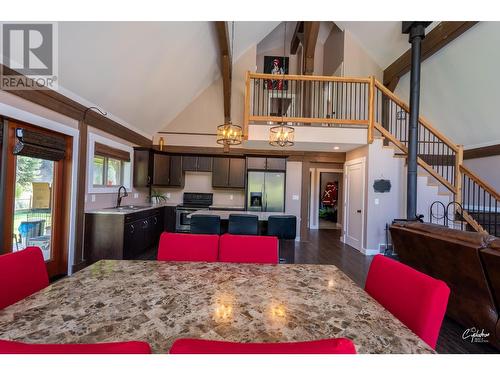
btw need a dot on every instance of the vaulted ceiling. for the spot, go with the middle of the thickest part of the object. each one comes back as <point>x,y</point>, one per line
<point>144,73</point>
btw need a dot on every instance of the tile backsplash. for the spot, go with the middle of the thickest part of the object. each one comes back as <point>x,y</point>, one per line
<point>201,182</point>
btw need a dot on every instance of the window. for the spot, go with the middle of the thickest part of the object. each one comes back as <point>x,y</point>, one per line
<point>107,171</point>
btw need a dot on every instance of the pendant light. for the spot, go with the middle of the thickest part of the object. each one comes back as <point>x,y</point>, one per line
<point>282,135</point>
<point>229,134</point>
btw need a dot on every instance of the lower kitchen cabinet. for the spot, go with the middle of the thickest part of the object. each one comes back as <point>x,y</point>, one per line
<point>122,236</point>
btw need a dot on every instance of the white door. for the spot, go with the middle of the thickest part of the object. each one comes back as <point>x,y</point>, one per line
<point>355,186</point>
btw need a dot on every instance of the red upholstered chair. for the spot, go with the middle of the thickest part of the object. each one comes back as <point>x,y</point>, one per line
<point>128,347</point>
<point>327,346</point>
<point>248,249</point>
<point>183,247</point>
<point>22,273</point>
<point>416,299</point>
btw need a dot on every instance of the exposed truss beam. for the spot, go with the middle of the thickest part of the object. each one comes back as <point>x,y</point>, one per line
<point>225,60</point>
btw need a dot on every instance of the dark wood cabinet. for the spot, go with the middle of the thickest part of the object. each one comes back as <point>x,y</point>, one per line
<point>142,167</point>
<point>228,173</point>
<point>237,173</point>
<point>204,164</point>
<point>266,164</point>
<point>276,164</point>
<point>197,163</point>
<point>122,236</point>
<point>157,169</point>
<point>161,169</point>
<point>256,163</point>
<point>176,175</point>
<point>169,219</point>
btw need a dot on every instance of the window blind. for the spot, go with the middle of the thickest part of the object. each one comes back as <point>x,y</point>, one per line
<point>110,152</point>
<point>39,145</point>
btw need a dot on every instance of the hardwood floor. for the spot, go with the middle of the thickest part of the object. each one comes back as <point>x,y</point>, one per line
<point>324,247</point>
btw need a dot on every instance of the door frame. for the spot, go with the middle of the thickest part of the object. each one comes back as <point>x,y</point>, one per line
<point>314,196</point>
<point>9,112</point>
<point>348,164</point>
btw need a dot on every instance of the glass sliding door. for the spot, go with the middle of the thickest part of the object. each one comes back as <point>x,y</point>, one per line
<point>32,224</point>
<point>37,190</point>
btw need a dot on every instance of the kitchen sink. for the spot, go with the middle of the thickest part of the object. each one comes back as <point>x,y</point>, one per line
<point>127,208</point>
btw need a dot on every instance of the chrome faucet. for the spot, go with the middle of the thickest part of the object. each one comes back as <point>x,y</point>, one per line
<point>119,198</point>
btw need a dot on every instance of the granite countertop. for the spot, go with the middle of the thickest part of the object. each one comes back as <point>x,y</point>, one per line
<point>159,302</point>
<point>224,215</point>
<point>223,207</point>
<point>143,207</point>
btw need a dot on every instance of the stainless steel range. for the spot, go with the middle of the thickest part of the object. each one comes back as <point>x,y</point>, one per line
<point>191,202</point>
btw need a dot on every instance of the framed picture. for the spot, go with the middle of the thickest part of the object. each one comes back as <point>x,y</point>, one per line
<point>276,65</point>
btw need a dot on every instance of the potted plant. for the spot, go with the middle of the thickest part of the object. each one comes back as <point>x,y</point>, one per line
<point>157,197</point>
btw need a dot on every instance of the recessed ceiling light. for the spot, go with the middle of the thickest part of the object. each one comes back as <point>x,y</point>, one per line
<point>336,147</point>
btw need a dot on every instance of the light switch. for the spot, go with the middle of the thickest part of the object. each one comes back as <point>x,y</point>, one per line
<point>231,197</point>
<point>92,197</point>
<point>136,195</point>
<point>377,201</point>
<point>295,197</point>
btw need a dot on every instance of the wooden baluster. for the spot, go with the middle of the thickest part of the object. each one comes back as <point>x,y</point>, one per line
<point>459,158</point>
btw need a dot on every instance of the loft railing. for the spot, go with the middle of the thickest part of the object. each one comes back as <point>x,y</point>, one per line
<point>345,101</point>
<point>330,101</point>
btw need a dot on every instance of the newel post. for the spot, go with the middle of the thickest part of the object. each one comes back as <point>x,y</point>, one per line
<point>371,109</point>
<point>246,110</point>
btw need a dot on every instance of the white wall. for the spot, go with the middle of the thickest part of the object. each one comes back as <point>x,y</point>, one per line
<point>459,87</point>
<point>487,168</point>
<point>357,62</point>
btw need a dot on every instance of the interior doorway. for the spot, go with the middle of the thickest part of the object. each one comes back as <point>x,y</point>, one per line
<point>354,198</point>
<point>325,210</point>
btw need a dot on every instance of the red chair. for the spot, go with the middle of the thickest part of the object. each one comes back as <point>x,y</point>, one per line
<point>416,299</point>
<point>127,347</point>
<point>327,346</point>
<point>248,249</point>
<point>22,273</point>
<point>183,247</point>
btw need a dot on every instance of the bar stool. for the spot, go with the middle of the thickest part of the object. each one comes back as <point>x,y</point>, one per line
<point>243,224</point>
<point>205,224</point>
<point>285,228</point>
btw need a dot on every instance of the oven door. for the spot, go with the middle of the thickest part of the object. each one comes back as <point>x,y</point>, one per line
<point>182,222</point>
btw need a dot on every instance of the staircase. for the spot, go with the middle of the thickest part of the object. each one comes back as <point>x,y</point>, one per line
<point>365,102</point>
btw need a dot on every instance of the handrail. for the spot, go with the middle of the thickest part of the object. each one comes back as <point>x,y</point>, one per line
<point>480,182</point>
<point>421,119</point>
<point>308,78</point>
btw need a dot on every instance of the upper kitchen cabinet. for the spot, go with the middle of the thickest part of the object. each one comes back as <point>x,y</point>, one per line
<point>197,163</point>
<point>157,169</point>
<point>266,164</point>
<point>143,166</point>
<point>228,173</point>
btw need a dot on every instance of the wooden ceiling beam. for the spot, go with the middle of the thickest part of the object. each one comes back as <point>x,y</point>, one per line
<point>226,65</point>
<point>298,37</point>
<point>437,38</point>
<point>311,31</point>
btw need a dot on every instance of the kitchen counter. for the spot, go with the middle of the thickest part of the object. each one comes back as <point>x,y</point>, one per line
<point>219,207</point>
<point>141,207</point>
<point>224,215</point>
<point>159,302</point>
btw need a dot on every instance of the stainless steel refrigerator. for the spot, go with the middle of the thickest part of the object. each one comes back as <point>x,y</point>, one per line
<point>266,191</point>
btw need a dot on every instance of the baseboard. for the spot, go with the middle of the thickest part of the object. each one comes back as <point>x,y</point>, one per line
<point>370,252</point>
